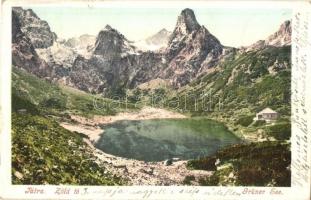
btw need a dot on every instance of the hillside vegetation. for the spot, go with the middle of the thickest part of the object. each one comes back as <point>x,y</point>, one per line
<point>44,152</point>
<point>243,81</point>
<point>245,84</point>
<point>255,164</point>
<point>62,100</point>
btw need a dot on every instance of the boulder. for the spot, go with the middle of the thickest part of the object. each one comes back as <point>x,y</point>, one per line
<point>18,175</point>
<point>168,162</point>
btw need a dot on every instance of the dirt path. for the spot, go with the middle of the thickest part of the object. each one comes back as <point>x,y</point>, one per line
<point>137,172</point>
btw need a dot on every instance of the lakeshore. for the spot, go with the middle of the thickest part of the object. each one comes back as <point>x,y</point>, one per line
<point>134,171</point>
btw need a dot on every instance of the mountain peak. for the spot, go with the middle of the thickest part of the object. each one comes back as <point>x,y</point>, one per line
<point>108,27</point>
<point>111,44</point>
<point>286,27</point>
<point>282,37</point>
<point>156,41</point>
<point>187,22</point>
<point>36,29</point>
<point>163,31</point>
<point>111,31</point>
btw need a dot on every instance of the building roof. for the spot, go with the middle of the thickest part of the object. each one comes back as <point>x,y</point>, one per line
<point>267,110</point>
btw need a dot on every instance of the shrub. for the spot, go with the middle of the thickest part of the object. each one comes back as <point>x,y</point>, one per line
<point>209,181</point>
<point>207,163</point>
<point>283,120</point>
<point>188,179</point>
<point>21,103</point>
<point>257,164</point>
<point>53,102</point>
<point>280,131</point>
<point>249,175</point>
<point>244,120</point>
<point>259,122</point>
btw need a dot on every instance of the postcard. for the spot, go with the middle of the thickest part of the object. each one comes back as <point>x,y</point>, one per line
<point>155,100</point>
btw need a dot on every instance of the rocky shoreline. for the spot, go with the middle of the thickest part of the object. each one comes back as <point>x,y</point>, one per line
<point>134,171</point>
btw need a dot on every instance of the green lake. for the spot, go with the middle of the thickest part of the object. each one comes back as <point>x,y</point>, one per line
<point>161,139</point>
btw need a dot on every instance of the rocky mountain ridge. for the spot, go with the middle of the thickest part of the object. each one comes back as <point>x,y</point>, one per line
<point>110,63</point>
<point>24,54</point>
<point>37,30</point>
<point>282,37</point>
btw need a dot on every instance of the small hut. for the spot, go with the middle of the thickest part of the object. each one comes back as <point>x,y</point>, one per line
<point>267,114</point>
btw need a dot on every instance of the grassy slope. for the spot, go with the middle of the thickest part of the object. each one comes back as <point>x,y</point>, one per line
<point>45,153</point>
<point>42,151</point>
<point>60,100</point>
<point>244,86</point>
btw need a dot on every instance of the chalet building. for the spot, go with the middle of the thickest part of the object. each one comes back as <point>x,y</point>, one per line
<point>267,114</point>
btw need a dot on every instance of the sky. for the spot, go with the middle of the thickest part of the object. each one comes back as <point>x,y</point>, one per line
<point>232,26</point>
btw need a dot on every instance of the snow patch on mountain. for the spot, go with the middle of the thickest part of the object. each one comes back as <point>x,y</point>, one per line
<point>64,52</point>
<point>154,42</point>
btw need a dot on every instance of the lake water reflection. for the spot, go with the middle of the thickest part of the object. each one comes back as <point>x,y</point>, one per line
<point>160,139</point>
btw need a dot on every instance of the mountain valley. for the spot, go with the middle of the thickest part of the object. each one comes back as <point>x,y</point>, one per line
<point>187,72</point>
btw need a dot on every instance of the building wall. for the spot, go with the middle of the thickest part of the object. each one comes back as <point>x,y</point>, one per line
<point>270,116</point>
<point>267,116</point>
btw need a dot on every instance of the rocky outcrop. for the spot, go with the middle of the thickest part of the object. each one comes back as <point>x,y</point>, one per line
<point>59,54</point>
<point>37,30</point>
<point>186,23</point>
<point>282,37</point>
<point>111,76</point>
<point>190,46</point>
<point>113,66</point>
<point>23,51</point>
<point>31,39</point>
<point>110,44</point>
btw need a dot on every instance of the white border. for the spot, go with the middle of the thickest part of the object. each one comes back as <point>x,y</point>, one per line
<point>138,192</point>
<point>154,3</point>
